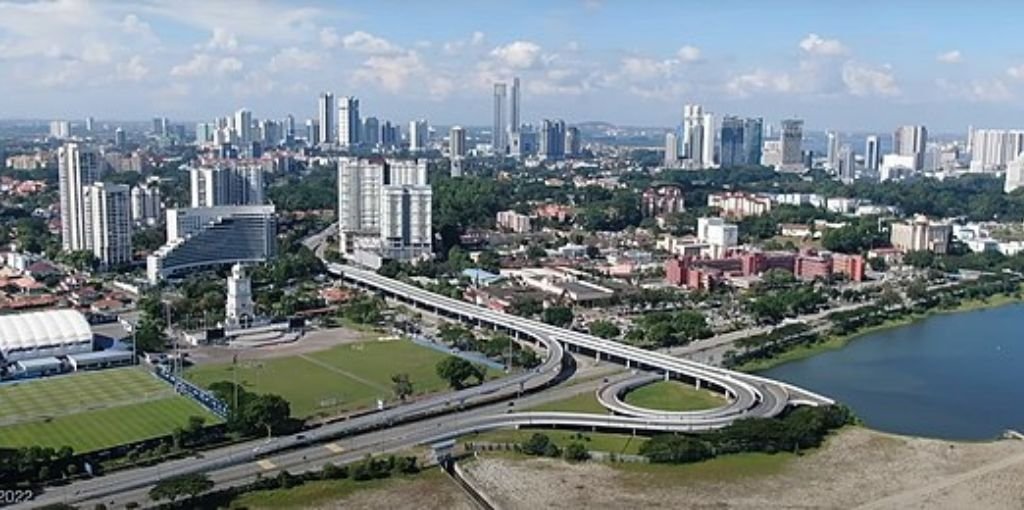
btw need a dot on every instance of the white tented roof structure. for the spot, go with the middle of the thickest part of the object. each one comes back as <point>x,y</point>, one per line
<point>42,334</point>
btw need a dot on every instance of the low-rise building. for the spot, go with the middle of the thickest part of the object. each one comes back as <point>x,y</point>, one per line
<point>921,234</point>
<point>735,204</point>
<point>513,221</point>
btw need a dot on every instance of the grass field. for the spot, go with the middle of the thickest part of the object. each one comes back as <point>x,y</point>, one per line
<point>341,379</point>
<point>673,396</point>
<point>331,493</point>
<point>92,410</point>
<point>585,402</point>
<point>594,441</point>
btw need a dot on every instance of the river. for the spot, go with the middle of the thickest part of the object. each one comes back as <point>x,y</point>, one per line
<point>951,376</point>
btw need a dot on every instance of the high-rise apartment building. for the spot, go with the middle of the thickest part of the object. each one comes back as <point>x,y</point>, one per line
<point>390,135</point>
<point>147,206</point>
<point>671,150</point>
<point>217,186</point>
<point>992,149</point>
<point>845,164</point>
<point>349,125</point>
<point>552,139</point>
<point>78,166</point>
<point>698,136</point>
<point>499,142</point>
<point>457,142</point>
<point>791,145</point>
<point>384,209</point>
<point>573,142</point>
<point>911,141</point>
<point>60,129</point>
<point>108,223</point>
<point>732,151</point>
<point>1014,175</point>
<point>120,140</point>
<point>328,125</point>
<point>831,150</point>
<point>243,126</point>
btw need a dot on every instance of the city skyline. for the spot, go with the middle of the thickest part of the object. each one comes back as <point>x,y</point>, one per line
<point>843,66</point>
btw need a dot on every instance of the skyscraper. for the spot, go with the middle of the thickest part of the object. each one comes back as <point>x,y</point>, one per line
<point>60,129</point>
<point>418,135</point>
<point>753,140</point>
<point>791,141</point>
<point>328,126</point>
<point>389,135</point>
<point>573,142</point>
<point>732,153</point>
<point>457,142</point>
<point>993,149</point>
<point>79,166</point>
<point>119,138</point>
<point>872,153</point>
<point>845,161</point>
<point>371,132</point>
<point>349,126</point>
<point>832,151</point>
<point>1014,175</point>
<point>243,126</point>
<point>499,143</point>
<point>147,206</point>
<point>514,104</point>
<point>89,124</point>
<point>552,139</point>
<point>108,223</point>
<point>911,141</point>
<point>698,136</point>
<point>671,150</point>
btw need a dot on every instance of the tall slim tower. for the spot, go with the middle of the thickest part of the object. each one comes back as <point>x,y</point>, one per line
<point>457,142</point>
<point>791,142</point>
<point>693,133</point>
<point>79,166</point>
<point>418,135</point>
<point>328,130</point>
<point>349,126</point>
<point>872,153</point>
<point>499,142</point>
<point>911,141</point>
<point>243,126</point>
<point>514,121</point>
<point>832,150</point>
<point>671,150</point>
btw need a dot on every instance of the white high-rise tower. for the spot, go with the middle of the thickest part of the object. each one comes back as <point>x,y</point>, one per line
<point>328,126</point>
<point>499,143</point>
<point>349,125</point>
<point>79,166</point>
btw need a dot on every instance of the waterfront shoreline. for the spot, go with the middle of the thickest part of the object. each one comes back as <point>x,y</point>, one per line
<point>833,343</point>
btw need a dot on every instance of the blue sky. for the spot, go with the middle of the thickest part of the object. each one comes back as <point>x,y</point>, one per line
<point>847,65</point>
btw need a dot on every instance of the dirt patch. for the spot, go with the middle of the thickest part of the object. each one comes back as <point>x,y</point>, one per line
<point>428,493</point>
<point>857,467</point>
<point>312,341</point>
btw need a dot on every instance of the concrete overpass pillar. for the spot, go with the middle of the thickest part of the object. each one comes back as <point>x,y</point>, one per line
<point>696,384</point>
<point>597,356</point>
<point>628,363</point>
<point>666,376</point>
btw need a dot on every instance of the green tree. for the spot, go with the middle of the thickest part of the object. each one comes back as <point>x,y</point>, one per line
<point>188,486</point>
<point>457,372</point>
<point>402,386</point>
<point>576,452</point>
<point>604,329</point>
<point>560,316</point>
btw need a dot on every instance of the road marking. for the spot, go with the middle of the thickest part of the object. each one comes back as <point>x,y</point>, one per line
<point>334,447</point>
<point>266,465</point>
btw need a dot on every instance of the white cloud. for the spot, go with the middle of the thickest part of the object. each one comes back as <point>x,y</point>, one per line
<point>293,58</point>
<point>1016,72</point>
<point>518,55</point>
<point>362,42</point>
<point>132,70</point>
<point>202,63</point>
<point>688,53</point>
<point>222,40</point>
<point>862,80</point>
<point>950,57</point>
<point>392,73</point>
<point>760,80</point>
<point>976,91</point>
<point>132,25</point>
<point>814,44</point>
<point>455,47</point>
<point>644,69</point>
<point>329,38</point>
<point>477,38</point>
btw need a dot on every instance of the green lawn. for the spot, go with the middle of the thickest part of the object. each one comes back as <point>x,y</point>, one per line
<point>327,494</point>
<point>341,379</point>
<point>719,469</point>
<point>585,402</point>
<point>92,410</point>
<point>673,396</point>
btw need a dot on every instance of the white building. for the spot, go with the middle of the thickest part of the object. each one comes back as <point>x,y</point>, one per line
<point>206,237</point>
<point>513,221</point>
<point>872,154</point>
<point>384,208</point>
<point>698,136</point>
<point>147,206</point>
<point>992,149</point>
<point>896,167</point>
<point>108,225</point>
<point>832,150</point>
<point>718,235</point>
<point>239,308</point>
<point>60,129</point>
<point>921,234</point>
<point>671,150</point>
<point>457,142</point>
<point>349,125</point>
<point>846,161</point>
<point>43,334</point>
<point>79,166</point>
<point>243,126</point>
<point>217,186</point>
<point>1014,175</point>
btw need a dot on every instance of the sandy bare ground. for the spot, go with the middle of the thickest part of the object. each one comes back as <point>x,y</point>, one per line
<point>858,468</point>
<point>425,493</point>
<point>312,341</point>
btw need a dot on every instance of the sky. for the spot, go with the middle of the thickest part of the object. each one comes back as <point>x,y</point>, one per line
<point>848,65</point>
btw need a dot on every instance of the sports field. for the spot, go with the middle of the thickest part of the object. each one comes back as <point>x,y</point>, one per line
<point>92,410</point>
<point>336,380</point>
